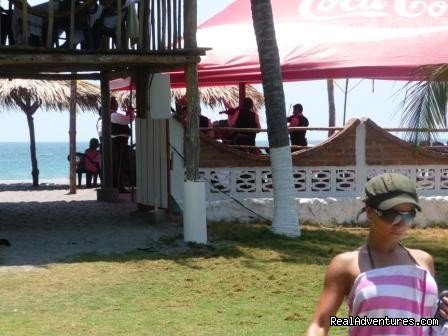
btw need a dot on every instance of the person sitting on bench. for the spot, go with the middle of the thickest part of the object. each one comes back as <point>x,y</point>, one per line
<point>91,161</point>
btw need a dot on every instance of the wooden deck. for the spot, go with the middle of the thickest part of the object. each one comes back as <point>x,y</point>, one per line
<point>38,62</point>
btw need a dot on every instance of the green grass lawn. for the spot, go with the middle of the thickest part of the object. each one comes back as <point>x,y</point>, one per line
<point>247,282</point>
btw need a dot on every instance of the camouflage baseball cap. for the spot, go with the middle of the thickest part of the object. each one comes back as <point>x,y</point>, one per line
<point>385,191</point>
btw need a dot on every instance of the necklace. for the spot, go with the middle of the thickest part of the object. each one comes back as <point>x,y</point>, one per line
<point>372,263</point>
<point>370,256</point>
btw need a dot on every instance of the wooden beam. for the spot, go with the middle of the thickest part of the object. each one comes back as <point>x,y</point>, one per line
<point>50,76</point>
<point>42,61</point>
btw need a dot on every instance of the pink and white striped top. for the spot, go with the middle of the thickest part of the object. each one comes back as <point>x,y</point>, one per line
<point>401,291</point>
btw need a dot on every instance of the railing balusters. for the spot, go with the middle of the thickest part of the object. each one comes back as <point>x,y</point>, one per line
<point>163,19</point>
<point>179,23</point>
<point>153,27</point>
<point>170,13</point>
<point>175,16</point>
<point>160,24</point>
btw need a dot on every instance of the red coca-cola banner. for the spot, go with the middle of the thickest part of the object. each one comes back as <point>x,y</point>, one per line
<point>318,39</point>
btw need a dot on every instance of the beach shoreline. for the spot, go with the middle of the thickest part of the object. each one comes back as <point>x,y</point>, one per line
<point>47,184</point>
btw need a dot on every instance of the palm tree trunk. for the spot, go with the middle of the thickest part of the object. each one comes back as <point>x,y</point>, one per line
<point>331,106</point>
<point>35,170</point>
<point>285,207</point>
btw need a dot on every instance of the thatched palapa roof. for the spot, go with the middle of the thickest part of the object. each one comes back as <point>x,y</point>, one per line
<point>53,95</point>
<point>219,96</point>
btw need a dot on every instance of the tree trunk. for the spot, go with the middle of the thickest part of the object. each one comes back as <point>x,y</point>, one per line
<point>35,170</point>
<point>192,92</point>
<point>285,207</point>
<point>72,137</point>
<point>331,106</point>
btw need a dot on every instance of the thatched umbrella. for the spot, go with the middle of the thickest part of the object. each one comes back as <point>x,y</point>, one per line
<point>30,95</point>
<point>213,96</point>
<point>223,96</point>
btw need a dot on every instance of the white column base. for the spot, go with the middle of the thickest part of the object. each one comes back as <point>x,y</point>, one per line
<point>195,220</point>
<point>286,219</point>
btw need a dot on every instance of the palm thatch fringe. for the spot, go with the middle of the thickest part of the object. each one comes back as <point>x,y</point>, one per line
<point>53,95</point>
<point>214,97</point>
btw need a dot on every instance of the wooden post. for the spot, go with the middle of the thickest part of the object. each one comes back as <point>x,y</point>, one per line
<point>192,93</point>
<point>141,27</point>
<point>107,181</point>
<point>107,193</point>
<point>72,24</point>
<point>24,22</point>
<point>242,93</point>
<point>50,24</point>
<point>72,136</point>
<point>331,106</point>
<point>118,28</point>
<point>142,92</point>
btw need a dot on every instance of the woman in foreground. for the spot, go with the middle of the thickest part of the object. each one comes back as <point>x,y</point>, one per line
<point>383,279</point>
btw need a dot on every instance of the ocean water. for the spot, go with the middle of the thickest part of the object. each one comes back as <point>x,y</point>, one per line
<point>15,160</point>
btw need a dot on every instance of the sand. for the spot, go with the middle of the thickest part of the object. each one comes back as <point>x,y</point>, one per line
<point>45,225</point>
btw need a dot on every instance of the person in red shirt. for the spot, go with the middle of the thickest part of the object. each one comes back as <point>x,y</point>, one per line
<point>92,162</point>
<point>297,119</point>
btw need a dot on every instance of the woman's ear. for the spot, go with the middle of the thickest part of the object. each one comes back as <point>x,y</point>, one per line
<point>369,212</point>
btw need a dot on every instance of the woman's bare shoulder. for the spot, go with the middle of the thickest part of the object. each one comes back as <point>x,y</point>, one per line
<point>343,269</point>
<point>346,257</point>
<point>423,258</point>
<point>345,263</point>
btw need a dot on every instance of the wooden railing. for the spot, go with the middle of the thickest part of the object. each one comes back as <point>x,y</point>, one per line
<point>141,25</point>
<point>439,148</point>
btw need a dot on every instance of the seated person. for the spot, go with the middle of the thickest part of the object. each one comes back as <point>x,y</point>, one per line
<point>182,116</point>
<point>34,37</point>
<point>82,33</point>
<point>247,118</point>
<point>297,119</point>
<point>205,122</point>
<point>92,162</point>
<point>104,21</point>
<point>223,135</point>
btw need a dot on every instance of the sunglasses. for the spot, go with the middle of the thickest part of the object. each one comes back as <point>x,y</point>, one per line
<point>395,217</point>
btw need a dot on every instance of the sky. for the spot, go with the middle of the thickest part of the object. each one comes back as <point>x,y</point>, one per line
<point>378,100</point>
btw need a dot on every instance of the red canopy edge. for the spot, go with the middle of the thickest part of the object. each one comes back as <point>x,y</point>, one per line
<point>320,39</point>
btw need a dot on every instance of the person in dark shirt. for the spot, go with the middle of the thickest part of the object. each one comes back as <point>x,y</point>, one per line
<point>247,118</point>
<point>297,119</point>
<point>205,122</point>
<point>120,132</point>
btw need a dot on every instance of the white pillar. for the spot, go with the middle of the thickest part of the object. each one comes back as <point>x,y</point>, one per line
<point>195,220</point>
